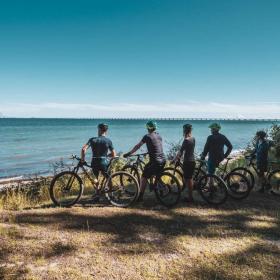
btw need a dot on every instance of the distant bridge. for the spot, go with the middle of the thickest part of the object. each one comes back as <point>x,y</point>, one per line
<point>191,119</point>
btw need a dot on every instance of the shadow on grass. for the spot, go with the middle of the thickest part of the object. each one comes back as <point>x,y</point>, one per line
<point>9,270</point>
<point>55,250</point>
<point>254,262</point>
<point>158,228</point>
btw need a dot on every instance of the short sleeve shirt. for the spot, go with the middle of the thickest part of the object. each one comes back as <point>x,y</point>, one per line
<point>100,146</point>
<point>188,149</point>
<point>154,145</point>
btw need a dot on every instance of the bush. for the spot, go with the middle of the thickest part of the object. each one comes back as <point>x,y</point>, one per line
<point>173,150</point>
<point>274,137</point>
<point>274,134</point>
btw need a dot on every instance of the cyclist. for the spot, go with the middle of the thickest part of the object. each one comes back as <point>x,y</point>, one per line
<point>261,154</point>
<point>189,161</point>
<point>100,147</point>
<point>157,159</point>
<point>214,147</point>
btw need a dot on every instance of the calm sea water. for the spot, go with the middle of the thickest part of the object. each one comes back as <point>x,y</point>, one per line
<point>28,146</point>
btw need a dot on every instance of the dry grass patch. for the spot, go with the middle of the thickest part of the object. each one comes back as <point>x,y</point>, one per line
<point>238,241</point>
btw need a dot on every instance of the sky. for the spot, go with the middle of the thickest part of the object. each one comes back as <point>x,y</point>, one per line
<point>145,58</point>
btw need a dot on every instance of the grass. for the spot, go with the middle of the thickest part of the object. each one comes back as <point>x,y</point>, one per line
<point>240,240</point>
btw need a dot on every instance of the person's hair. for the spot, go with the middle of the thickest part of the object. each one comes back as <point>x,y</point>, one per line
<point>261,134</point>
<point>103,127</point>
<point>187,128</point>
<point>151,129</point>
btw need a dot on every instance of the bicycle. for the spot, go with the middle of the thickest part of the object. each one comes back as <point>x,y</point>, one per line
<point>166,186</point>
<point>237,185</point>
<point>67,187</point>
<point>136,167</point>
<point>272,176</point>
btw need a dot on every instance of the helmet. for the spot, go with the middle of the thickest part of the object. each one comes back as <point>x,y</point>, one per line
<point>187,128</point>
<point>103,126</point>
<point>261,134</point>
<point>151,125</point>
<point>215,126</point>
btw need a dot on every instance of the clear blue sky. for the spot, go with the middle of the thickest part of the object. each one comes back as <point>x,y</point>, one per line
<point>99,58</point>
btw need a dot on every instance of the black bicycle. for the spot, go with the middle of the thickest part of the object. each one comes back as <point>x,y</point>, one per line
<point>236,185</point>
<point>166,186</point>
<point>120,188</point>
<point>136,165</point>
<point>272,176</point>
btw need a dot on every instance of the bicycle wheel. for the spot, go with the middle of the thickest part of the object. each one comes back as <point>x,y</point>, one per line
<point>66,189</point>
<point>122,189</point>
<point>238,185</point>
<point>197,175</point>
<point>274,182</point>
<point>178,174</point>
<point>247,173</point>
<point>131,169</point>
<point>167,189</point>
<point>213,189</point>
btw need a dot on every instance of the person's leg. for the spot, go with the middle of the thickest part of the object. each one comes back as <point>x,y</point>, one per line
<point>143,184</point>
<point>190,188</point>
<point>147,173</point>
<point>261,180</point>
<point>211,169</point>
<point>188,174</point>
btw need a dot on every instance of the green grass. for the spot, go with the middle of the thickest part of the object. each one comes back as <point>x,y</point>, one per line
<point>240,240</point>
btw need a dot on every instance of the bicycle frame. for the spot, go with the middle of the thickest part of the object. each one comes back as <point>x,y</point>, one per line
<point>94,184</point>
<point>139,163</point>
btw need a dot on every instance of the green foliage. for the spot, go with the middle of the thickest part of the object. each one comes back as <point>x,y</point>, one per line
<point>274,137</point>
<point>174,148</point>
<point>274,134</point>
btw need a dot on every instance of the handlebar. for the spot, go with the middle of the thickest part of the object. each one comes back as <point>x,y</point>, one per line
<point>86,164</point>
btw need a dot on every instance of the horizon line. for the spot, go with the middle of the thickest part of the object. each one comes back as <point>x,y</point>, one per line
<point>147,118</point>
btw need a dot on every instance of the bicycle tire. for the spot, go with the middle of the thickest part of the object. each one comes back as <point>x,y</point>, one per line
<point>177,173</point>
<point>234,187</point>
<point>202,188</point>
<point>274,186</point>
<point>197,175</point>
<point>112,194</point>
<point>79,191</point>
<point>133,171</point>
<point>245,170</point>
<point>159,190</point>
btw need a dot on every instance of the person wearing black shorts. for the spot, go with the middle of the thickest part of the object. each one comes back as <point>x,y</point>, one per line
<point>100,147</point>
<point>157,159</point>
<point>187,149</point>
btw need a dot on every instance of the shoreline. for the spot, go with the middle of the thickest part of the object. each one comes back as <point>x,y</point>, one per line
<point>7,182</point>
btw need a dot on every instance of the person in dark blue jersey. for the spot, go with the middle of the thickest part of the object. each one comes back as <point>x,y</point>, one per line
<point>214,148</point>
<point>100,146</point>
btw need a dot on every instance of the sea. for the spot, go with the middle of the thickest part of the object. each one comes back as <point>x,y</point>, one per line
<point>32,146</point>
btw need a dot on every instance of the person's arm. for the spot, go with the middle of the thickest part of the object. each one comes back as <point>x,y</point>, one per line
<point>83,152</point>
<point>112,150</point>
<point>206,149</point>
<point>134,149</point>
<point>229,147</point>
<point>180,153</point>
<point>254,152</point>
